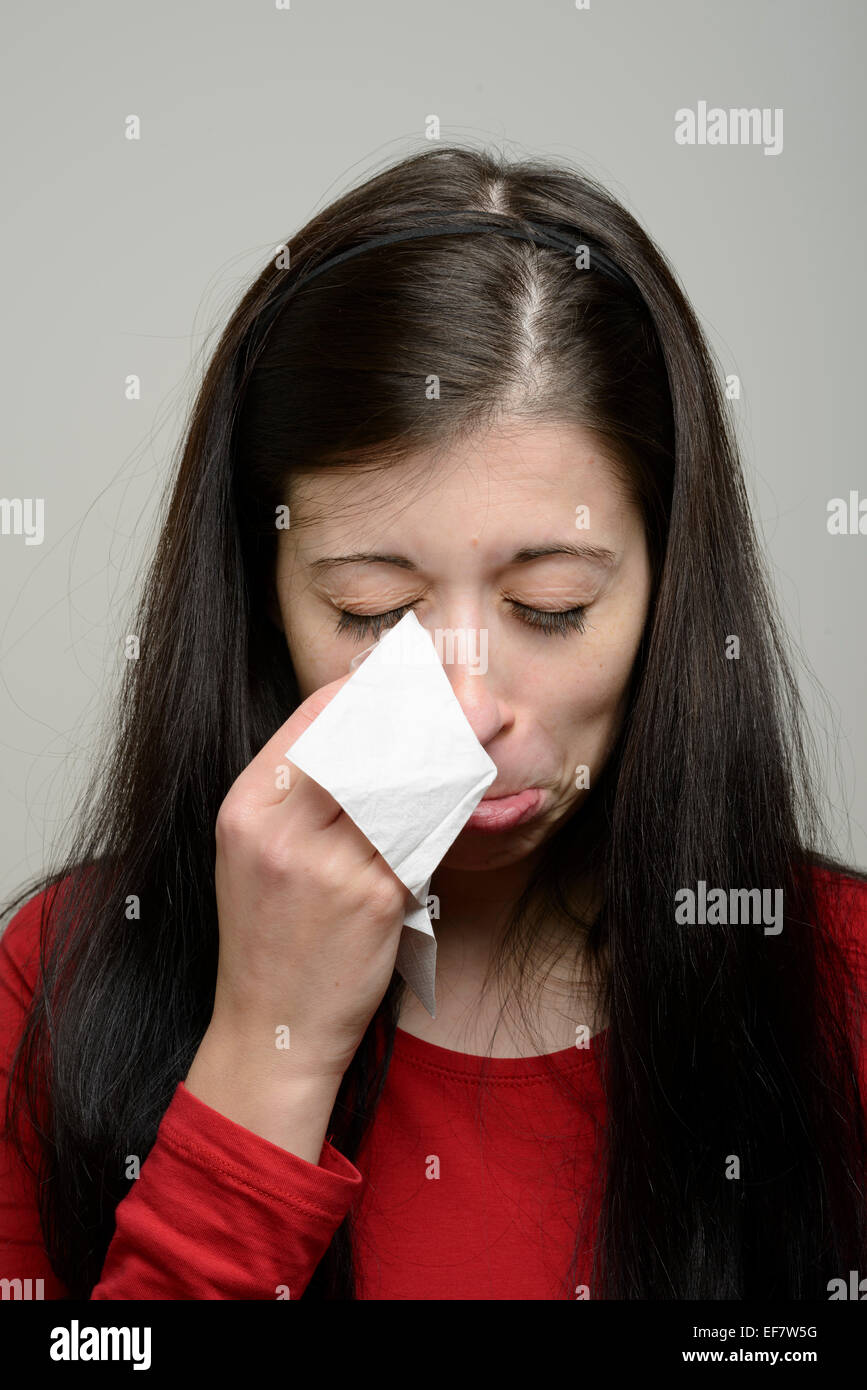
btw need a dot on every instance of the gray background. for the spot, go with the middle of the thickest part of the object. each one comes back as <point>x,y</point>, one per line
<point>126,257</point>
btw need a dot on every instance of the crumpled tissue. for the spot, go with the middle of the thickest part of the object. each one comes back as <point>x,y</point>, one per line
<point>396,751</point>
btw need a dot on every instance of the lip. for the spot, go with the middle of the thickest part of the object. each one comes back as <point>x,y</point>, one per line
<point>498,813</point>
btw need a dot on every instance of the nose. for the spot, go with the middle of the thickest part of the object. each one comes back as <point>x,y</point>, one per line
<point>486,714</point>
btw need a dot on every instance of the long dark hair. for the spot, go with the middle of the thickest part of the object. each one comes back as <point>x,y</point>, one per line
<point>722,1040</point>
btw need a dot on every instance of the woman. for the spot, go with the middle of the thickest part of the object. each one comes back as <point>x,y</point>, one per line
<point>473,390</point>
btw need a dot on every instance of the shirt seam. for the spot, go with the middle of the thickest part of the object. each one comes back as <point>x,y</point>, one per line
<point>442,1069</point>
<point>208,1163</point>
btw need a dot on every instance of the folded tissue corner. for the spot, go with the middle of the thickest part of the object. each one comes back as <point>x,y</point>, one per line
<point>396,751</point>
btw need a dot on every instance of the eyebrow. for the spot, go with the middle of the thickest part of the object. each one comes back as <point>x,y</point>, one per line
<point>597,553</point>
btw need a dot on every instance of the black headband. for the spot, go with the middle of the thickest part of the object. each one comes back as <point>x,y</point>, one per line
<point>559,238</point>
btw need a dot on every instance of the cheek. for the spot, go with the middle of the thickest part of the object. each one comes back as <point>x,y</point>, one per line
<point>591,719</point>
<point>605,676</point>
<point>588,708</point>
<point>575,718</point>
<point>317,657</point>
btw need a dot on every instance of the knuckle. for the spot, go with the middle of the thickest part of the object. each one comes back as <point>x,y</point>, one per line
<point>385,892</point>
<point>232,821</point>
<point>274,858</point>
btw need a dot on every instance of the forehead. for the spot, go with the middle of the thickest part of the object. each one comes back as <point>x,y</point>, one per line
<point>509,476</point>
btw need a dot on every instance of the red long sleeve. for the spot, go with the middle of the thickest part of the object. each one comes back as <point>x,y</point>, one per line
<point>217,1211</point>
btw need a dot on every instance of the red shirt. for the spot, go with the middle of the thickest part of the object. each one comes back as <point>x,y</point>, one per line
<point>452,1202</point>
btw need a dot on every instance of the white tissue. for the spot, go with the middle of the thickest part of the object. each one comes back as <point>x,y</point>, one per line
<point>396,751</point>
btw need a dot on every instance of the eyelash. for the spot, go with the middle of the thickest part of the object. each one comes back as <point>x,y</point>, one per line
<point>562,623</point>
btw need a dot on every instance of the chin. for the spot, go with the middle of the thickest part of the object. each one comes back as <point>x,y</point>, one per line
<point>484,851</point>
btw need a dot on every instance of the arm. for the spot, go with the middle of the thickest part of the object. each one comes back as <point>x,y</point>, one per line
<point>222,1213</point>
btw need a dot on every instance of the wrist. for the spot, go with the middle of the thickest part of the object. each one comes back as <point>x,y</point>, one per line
<point>270,1096</point>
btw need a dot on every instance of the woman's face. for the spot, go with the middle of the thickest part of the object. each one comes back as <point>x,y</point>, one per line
<point>475,537</point>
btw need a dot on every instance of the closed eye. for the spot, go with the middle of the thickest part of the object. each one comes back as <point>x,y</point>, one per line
<point>562,621</point>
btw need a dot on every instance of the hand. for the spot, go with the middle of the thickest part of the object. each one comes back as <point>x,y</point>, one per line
<point>310,913</point>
